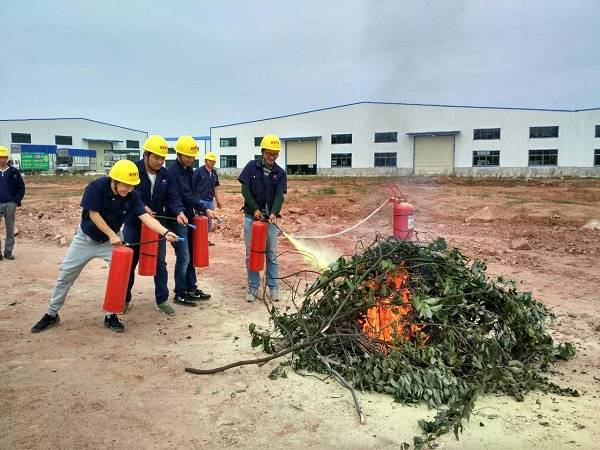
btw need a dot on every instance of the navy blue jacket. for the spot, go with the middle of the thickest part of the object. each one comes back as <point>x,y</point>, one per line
<point>182,178</point>
<point>263,189</point>
<point>204,183</point>
<point>16,186</point>
<point>163,198</point>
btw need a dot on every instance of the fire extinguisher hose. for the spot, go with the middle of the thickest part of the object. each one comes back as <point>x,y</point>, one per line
<point>347,229</point>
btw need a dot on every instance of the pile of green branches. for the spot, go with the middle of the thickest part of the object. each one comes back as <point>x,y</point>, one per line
<point>478,335</point>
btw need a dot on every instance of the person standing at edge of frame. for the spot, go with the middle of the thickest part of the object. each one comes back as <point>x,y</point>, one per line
<point>181,173</point>
<point>206,185</point>
<point>106,202</point>
<point>264,184</point>
<point>157,192</point>
<point>12,191</point>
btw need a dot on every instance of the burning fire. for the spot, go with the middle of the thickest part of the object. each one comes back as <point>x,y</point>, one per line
<point>392,323</point>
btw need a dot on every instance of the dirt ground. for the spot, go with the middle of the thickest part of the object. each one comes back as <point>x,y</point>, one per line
<point>80,385</point>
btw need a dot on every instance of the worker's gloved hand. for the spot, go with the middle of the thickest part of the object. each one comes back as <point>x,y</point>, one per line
<point>210,214</point>
<point>171,237</point>
<point>257,214</point>
<point>273,219</point>
<point>115,240</point>
<point>182,219</point>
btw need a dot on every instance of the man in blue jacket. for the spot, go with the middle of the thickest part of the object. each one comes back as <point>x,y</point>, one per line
<point>206,185</point>
<point>181,173</point>
<point>264,184</point>
<point>156,191</point>
<point>12,191</point>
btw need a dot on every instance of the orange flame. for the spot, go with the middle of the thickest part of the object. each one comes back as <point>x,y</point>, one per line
<point>391,323</point>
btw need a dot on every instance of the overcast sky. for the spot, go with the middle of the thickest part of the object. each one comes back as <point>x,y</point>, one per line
<point>183,66</point>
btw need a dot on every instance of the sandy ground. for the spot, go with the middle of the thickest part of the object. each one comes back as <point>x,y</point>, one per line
<point>80,385</point>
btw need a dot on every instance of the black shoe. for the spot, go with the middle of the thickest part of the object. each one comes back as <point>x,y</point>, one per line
<point>9,256</point>
<point>113,323</point>
<point>197,294</point>
<point>183,300</point>
<point>45,322</point>
<point>1,258</point>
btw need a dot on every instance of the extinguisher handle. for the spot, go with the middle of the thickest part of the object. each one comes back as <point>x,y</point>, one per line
<point>189,225</point>
<point>180,239</point>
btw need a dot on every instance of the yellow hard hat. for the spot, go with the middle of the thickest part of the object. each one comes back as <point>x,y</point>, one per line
<point>156,144</point>
<point>4,152</point>
<point>271,142</point>
<point>186,145</point>
<point>211,156</point>
<point>126,172</point>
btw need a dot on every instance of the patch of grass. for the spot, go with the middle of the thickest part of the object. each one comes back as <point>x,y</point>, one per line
<point>352,189</point>
<point>518,200</point>
<point>323,191</point>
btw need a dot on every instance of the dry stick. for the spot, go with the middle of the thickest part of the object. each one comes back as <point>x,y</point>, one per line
<point>344,383</point>
<point>255,361</point>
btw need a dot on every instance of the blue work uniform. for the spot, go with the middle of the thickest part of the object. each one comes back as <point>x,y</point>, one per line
<point>204,183</point>
<point>158,199</point>
<point>12,191</point>
<point>185,272</point>
<point>263,183</point>
<point>89,242</point>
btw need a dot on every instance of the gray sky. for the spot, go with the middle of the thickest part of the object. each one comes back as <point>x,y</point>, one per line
<point>183,66</point>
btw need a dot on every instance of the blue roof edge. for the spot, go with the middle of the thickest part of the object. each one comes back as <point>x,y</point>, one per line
<point>402,104</point>
<point>74,118</point>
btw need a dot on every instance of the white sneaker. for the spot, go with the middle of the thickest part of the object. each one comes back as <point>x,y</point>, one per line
<point>250,296</point>
<point>274,293</point>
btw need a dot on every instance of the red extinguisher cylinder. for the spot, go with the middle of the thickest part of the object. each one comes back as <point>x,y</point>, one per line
<point>258,246</point>
<point>118,279</point>
<point>200,253</point>
<point>403,219</point>
<point>148,252</point>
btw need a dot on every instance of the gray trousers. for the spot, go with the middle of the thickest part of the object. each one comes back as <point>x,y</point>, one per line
<point>81,251</point>
<point>8,210</point>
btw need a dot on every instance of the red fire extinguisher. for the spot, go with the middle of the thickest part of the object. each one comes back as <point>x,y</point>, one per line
<point>200,253</point>
<point>118,279</point>
<point>258,245</point>
<point>148,252</point>
<point>403,221</point>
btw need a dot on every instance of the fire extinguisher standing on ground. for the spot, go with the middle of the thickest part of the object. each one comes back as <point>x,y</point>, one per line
<point>403,221</point>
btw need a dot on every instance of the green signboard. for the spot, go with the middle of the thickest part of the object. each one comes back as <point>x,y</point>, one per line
<point>35,161</point>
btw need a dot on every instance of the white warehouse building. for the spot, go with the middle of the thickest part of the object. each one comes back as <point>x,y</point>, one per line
<point>70,140</point>
<point>391,139</point>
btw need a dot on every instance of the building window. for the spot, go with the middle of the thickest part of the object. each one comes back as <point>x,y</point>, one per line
<point>486,134</point>
<point>543,157</point>
<point>385,159</point>
<point>341,139</point>
<point>63,140</point>
<point>486,158</point>
<point>228,161</point>
<point>543,132</point>
<point>391,136</point>
<point>171,150</point>
<point>257,157</point>
<point>341,159</point>
<point>20,138</point>
<point>132,144</point>
<point>228,142</point>
<point>597,157</point>
<point>257,141</point>
<point>598,131</point>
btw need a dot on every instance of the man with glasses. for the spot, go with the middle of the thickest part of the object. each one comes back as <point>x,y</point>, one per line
<point>264,184</point>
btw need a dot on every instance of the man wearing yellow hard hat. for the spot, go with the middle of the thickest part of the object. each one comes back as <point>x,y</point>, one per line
<point>264,184</point>
<point>206,184</point>
<point>106,202</point>
<point>12,191</point>
<point>157,191</point>
<point>181,173</point>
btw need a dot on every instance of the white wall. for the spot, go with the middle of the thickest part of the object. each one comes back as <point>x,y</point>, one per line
<point>575,143</point>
